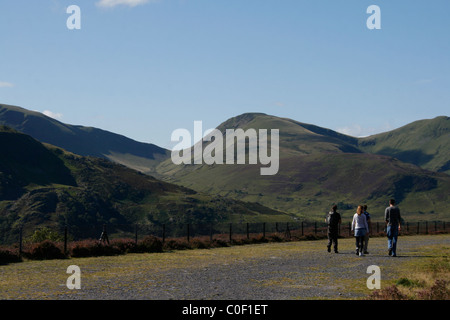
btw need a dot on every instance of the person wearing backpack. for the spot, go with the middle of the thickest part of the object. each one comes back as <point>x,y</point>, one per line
<point>333,220</point>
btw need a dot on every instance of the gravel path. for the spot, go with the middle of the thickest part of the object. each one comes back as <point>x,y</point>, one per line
<point>275,271</point>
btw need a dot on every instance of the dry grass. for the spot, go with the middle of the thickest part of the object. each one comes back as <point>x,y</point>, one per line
<point>426,279</point>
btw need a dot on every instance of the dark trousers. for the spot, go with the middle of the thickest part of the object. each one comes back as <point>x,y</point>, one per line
<point>359,243</point>
<point>333,239</point>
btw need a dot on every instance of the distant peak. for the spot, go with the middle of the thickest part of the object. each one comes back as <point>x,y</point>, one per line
<point>240,121</point>
<point>253,114</point>
<point>248,116</point>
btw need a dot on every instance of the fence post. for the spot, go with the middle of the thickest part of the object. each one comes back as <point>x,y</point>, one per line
<point>435,226</point>
<point>248,231</point>
<point>135,233</point>
<point>231,230</point>
<point>349,229</point>
<point>20,240</point>
<point>288,232</point>
<point>426,227</point>
<point>302,228</point>
<point>264,230</point>
<point>444,225</point>
<point>164,232</point>
<point>65,240</point>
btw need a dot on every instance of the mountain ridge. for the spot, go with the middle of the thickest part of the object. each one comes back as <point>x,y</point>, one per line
<point>318,167</point>
<point>85,141</point>
<point>316,163</point>
<point>422,142</point>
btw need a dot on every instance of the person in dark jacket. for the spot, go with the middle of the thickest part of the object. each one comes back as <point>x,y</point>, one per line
<point>393,226</point>
<point>333,220</point>
<point>366,236</point>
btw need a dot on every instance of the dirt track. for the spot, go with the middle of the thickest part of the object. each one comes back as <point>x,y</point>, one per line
<point>275,271</point>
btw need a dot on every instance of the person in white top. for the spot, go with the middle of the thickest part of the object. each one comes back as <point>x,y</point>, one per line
<point>360,228</point>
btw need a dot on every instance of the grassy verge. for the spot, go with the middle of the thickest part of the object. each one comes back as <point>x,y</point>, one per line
<point>426,279</point>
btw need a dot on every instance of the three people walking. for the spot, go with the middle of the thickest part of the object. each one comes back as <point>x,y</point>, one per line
<point>361,227</point>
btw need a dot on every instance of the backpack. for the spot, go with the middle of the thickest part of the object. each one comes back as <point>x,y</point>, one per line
<point>333,219</point>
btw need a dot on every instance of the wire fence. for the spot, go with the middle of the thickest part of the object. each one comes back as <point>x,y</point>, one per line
<point>227,232</point>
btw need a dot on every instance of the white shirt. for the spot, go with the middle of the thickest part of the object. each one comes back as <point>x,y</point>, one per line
<point>359,222</point>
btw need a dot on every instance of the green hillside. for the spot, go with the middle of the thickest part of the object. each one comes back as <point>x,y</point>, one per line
<point>318,167</point>
<point>47,186</point>
<point>85,141</point>
<point>27,166</point>
<point>425,143</point>
<point>296,138</point>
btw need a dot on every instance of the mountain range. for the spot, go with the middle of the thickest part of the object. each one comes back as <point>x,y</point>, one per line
<point>319,167</point>
<point>55,172</point>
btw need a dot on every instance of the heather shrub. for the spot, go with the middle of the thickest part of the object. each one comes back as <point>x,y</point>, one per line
<point>81,249</point>
<point>150,244</point>
<point>276,238</point>
<point>389,293</point>
<point>242,241</point>
<point>311,237</point>
<point>259,239</point>
<point>217,243</point>
<point>8,256</point>
<point>176,245</point>
<point>125,245</point>
<point>44,250</point>
<point>199,244</point>
<point>93,248</point>
<point>438,291</point>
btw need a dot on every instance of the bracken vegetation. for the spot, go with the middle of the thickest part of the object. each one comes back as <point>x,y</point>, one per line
<point>429,280</point>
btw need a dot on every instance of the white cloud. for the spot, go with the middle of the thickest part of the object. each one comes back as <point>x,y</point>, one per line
<point>113,3</point>
<point>353,130</point>
<point>6,84</point>
<point>356,130</point>
<point>57,116</point>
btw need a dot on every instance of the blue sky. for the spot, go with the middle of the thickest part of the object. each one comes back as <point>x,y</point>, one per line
<point>145,68</point>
